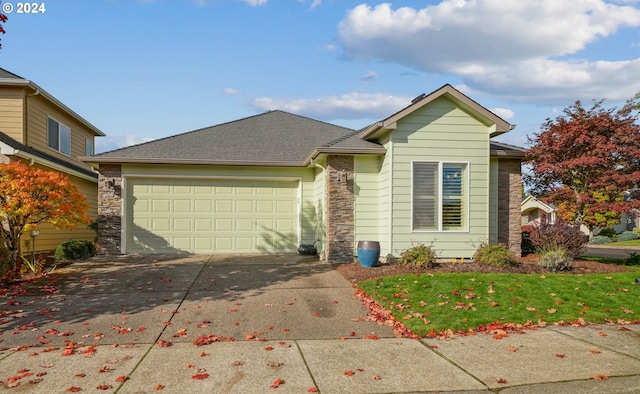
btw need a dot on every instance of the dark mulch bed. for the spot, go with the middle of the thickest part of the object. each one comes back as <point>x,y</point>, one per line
<point>355,273</point>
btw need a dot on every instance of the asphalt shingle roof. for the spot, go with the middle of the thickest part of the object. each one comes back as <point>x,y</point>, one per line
<point>27,149</point>
<point>273,137</point>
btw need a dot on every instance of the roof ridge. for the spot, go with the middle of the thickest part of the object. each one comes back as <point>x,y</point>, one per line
<point>181,134</point>
<point>340,139</point>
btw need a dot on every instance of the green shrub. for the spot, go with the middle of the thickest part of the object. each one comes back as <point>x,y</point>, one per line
<point>420,256</point>
<point>637,231</point>
<point>600,239</point>
<point>633,259</point>
<point>608,232</point>
<point>75,249</point>
<point>555,259</point>
<point>627,236</point>
<point>494,255</point>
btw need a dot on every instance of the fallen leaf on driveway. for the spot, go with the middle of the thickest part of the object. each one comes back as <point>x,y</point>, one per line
<point>349,373</point>
<point>73,389</point>
<point>560,355</point>
<point>512,348</point>
<point>200,376</point>
<point>277,383</point>
<point>502,380</point>
<point>600,377</point>
<point>595,351</point>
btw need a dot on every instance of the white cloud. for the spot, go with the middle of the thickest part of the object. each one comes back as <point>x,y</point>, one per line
<point>347,106</point>
<point>504,113</point>
<point>369,77</point>
<point>230,91</point>
<point>523,50</point>
<point>255,3</point>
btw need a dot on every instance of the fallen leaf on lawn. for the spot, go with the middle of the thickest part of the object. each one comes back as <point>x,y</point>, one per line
<point>600,377</point>
<point>200,376</point>
<point>512,348</point>
<point>73,389</point>
<point>277,383</point>
<point>560,355</point>
<point>551,310</point>
<point>542,277</point>
<point>531,309</point>
<point>502,380</point>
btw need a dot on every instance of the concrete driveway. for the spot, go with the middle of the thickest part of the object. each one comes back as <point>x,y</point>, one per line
<point>240,324</point>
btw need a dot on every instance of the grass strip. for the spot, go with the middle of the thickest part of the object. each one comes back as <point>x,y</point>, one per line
<point>465,301</point>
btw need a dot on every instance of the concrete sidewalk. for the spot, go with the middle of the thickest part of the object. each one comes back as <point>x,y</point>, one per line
<point>269,324</point>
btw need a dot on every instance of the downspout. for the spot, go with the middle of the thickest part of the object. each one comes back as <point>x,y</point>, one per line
<point>324,202</point>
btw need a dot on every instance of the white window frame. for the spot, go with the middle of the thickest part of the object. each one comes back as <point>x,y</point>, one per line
<point>60,137</point>
<point>466,196</point>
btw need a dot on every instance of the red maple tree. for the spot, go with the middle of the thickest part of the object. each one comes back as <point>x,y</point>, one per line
<point>3,19</point>
<point>587,163</point>
<point>30,196</point>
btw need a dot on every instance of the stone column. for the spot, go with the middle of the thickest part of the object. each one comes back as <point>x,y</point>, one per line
<point>109,209</point>
<point>509,199</point>
<point>340,209</point>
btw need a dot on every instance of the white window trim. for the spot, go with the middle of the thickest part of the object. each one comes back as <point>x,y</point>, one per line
<point>467,189</point>
<point>59,150</point>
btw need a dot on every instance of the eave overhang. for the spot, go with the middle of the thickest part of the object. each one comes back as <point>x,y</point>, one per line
<point>58,103</point>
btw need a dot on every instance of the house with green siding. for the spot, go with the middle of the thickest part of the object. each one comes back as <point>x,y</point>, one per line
<point>428,174</point>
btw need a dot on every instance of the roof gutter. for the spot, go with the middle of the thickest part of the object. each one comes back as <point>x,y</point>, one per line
<point>7,150</point>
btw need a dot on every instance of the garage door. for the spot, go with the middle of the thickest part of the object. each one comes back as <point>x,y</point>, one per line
<point>207,216</point>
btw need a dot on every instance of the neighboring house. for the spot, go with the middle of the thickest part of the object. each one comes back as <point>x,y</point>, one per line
<point>267,183</point>
<point>39,130</point>
<point>534,211</point>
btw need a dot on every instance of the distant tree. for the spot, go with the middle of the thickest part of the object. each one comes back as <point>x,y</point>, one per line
<point>584,162</point>
<point>3,19</point>
<point>30,196</point>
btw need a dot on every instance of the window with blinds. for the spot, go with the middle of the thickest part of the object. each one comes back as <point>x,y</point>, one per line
<point>439,196</point>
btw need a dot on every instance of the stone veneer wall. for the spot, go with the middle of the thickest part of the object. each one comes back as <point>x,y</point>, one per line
<point>109,209</point>
<point>340,209</point>
<point>509,199</point>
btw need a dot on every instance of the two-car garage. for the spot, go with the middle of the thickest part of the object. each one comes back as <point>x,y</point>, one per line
<point>202,215</point>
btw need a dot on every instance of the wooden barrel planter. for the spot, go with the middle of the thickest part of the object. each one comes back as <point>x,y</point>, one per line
<point>368,253</point>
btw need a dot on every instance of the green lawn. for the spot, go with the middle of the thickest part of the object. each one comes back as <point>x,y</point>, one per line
<point>635,242</point>
<point>464,301</point>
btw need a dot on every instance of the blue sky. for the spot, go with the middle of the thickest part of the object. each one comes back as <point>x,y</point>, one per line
<point>141,70</point>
